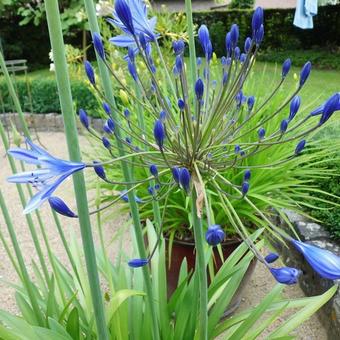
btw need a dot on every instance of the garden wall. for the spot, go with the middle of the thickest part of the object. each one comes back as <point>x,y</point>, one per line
<point>310,282</point>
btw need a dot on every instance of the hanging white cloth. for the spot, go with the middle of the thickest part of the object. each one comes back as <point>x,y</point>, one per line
<point>305,10</point>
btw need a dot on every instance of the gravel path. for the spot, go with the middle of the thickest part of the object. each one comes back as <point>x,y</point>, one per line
<point>261,282</point>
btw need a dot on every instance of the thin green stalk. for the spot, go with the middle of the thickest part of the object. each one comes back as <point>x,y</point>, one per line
<point>192,49</point>
<point>13,95</point>
<point>107,86</point>
<point>26,280</point>
<point>201,270</point>
<point>64,88</point>
<point>27,134</point>
<point>29,219</point>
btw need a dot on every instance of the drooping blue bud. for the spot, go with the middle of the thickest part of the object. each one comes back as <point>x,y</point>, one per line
<point>237,53</point>
<point>243,57</point>
<point>84,119</point>
<point>284,126</point>
<point>245,188</point>
<point>123,12</point>
<point>259,35</point>
<point>286,67</point>
<point>132,70</point>
<point>99,170</point>
<point>294,107</point>
<point>271,257</point>
<point>107,108</point>
<point>250,102</point>
<point>286,275</point>
<point>247,45</point>
<point>89,72</point>
<point>242,153</point>
<point>181,104</point>
<point>157,186</point>
<point>127,113</point>
<point>237,149</point>
<point>154,170</point>
<point>106,143</point>
<point>159,133</point>
<point>225,78</point>
<point>228,44</point>
<point>109,126</point>
<point>331,105</point>
<point>184,179</point>
<point>175,173</point>
<point>199,89</point>
<point>137,263</point>
<point>305,71</point>
<point>300,146</point>
<point>204,39</point>
<point>261,133</point>
<point>224,61</point>
<point>98,44</point>
<point>128,140</point>
<point>59,206</point>
<point>247,175</point>
<point>162,116</point>
<point>151,191</point>
<point>179,63</point>
<point>214,235</point>
<point>234,34</point>
<point>257,20</point>
<point>324,262</point>
<point>199,61</point>
<point>178,46</point>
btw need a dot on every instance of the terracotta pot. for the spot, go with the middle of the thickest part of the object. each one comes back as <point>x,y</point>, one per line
<point>182,249</point>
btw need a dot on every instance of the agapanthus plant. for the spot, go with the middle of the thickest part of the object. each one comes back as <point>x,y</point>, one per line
<point>188,132</point>
<point>198,126</point>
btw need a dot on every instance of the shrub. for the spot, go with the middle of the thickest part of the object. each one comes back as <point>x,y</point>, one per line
<point>44,96</point>
<point>242,4</point>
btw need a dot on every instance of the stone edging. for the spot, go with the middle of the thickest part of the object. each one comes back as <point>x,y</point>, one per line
<point>44,121</point>
<point>310,282</point>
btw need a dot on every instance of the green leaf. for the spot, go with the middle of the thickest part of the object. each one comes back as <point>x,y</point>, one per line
<point>245,326</point>
<point>303,314</point>
<point>72,326</point>
<point>25,309</point>
<point>120,297</point>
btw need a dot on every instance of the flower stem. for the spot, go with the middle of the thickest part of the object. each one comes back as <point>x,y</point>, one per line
<point>54,26</point>
<point>192,49</point>
<point>201,270</point>
<point>107,86</point>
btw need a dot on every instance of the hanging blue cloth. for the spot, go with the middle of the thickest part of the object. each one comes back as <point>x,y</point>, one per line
<point>305,10</point>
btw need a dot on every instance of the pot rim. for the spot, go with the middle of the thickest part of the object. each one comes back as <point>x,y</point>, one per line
<point>192,243</point>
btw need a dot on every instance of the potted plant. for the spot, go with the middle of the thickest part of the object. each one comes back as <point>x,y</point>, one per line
<point>201,139</point>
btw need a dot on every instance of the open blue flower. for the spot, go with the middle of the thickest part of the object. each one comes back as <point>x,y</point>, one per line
<point>51,173</point>
<point>324,262</point>
<point>141,24</point>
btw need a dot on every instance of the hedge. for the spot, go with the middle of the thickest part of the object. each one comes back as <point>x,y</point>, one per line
<point>32,43</point>
<point>45,98</point>
<point>280,33</point>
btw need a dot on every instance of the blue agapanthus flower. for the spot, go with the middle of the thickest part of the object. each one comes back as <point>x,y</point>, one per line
<point>140,21</point>
<point>50,174</point>
<point>324,262</point>
<point>286,275</point>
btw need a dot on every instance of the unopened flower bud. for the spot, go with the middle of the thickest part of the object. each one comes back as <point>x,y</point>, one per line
<point>214,235</point>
